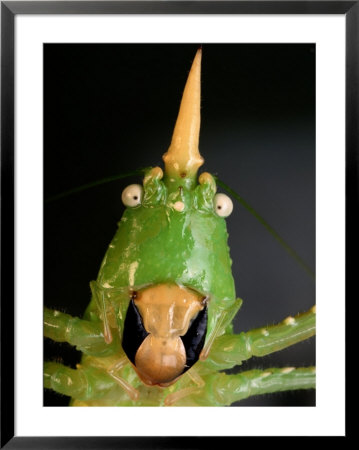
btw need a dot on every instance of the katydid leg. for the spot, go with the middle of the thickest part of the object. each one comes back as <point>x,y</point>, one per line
<point>86,336</point>
<point>222,389</point>
<point>228,389</point>
<point>83,383</point>
<point>230,350</point>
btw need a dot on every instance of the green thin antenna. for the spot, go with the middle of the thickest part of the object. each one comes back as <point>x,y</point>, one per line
<point>84,187</point>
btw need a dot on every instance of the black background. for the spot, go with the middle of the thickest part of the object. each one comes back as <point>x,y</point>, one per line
<point>111,108</point>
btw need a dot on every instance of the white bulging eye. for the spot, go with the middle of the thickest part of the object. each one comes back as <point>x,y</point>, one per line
<point>223,205</point>
<point>132,195</point>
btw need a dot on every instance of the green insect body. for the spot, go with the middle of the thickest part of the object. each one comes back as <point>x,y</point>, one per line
<point>171,238</point>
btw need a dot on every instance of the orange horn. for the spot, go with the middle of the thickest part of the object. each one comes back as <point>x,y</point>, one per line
<point>183,158</point>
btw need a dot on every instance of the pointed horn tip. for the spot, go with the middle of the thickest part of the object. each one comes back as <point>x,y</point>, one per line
<point>198,56</point>
<point>197,61</point>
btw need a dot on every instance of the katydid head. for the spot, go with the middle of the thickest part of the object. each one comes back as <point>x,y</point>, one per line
<point>171,248</point>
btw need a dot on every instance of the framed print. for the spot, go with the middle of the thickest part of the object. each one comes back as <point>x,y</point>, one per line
<point>85,114</point>
<point>148,67</point>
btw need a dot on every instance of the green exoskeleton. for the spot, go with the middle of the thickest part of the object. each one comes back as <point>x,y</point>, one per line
<point>158,329</point>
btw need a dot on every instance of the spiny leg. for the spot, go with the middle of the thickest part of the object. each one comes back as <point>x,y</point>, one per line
<point>102,305</point>
<point>223,390</point>
<point>233,388</point>
<point>230,350</point>
<point>87,336</point>
<point>83,383</point>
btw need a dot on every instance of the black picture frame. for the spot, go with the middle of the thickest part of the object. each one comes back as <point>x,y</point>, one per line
<point>9,10</point>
